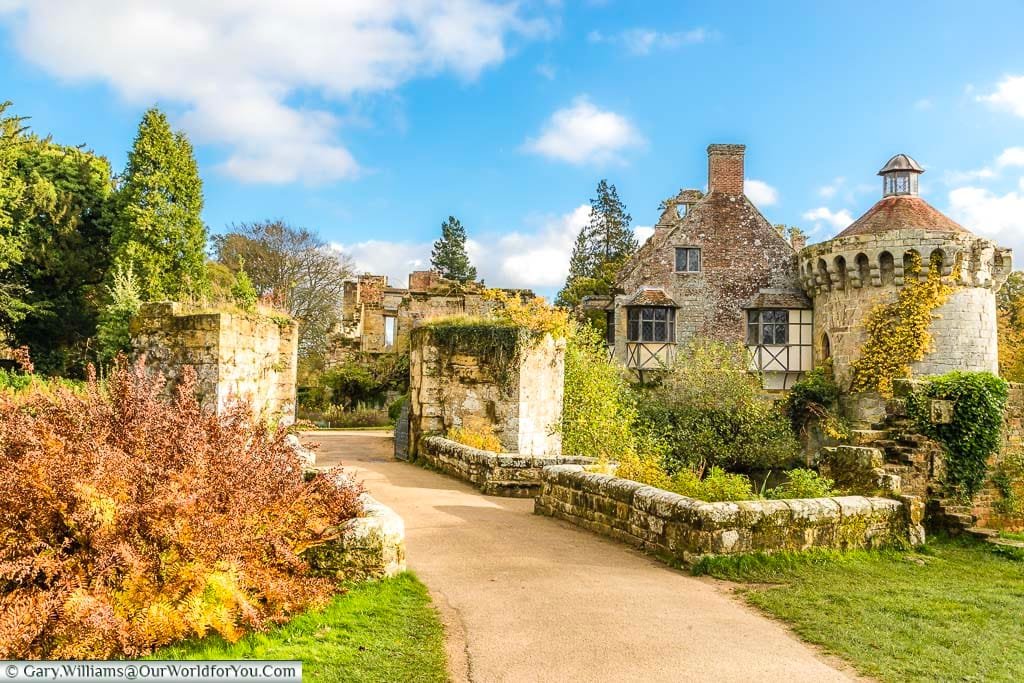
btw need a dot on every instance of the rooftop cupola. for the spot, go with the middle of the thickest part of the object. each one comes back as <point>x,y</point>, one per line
<point>899,176</point>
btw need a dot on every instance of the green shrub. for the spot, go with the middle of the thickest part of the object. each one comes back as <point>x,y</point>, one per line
<point>599,408</point>
<point>243,292</point>
<point>710,411</point>
<point>815,398</point>
<point>14,381</point>
<point>112,333</point>
<point>975,433</point>
<point>395,409</point>
<point>802,483</point>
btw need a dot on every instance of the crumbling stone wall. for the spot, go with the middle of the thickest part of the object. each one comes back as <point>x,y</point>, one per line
<point>682,529</point>
<point>236,356</point>
<point>368,302</point>
<point>522,403</point>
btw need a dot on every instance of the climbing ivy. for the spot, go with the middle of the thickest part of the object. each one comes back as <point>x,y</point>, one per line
<point>975,433</point>
<point>499,342</point>
<point>898,333</point>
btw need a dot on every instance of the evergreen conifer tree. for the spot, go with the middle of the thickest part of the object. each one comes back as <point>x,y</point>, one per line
<point>158,231</point>
<point>449,255</point>
<point>601,247</point>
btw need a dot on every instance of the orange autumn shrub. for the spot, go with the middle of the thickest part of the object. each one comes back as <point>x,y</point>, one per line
<point>129,521</point>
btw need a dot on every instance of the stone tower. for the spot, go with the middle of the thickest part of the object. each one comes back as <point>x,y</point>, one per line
<point>868,264</point>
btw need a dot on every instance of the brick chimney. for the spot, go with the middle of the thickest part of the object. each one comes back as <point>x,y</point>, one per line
<point>725,168</point>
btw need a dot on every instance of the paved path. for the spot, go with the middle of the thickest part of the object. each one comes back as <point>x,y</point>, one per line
<point>529,598</point>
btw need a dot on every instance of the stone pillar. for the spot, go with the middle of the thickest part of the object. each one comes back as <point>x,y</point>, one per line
<point>237,356</point>
<point>522,403</point>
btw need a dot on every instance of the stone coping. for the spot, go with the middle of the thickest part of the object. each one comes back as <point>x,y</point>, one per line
<point>501,474</point>
<point>685,529</point>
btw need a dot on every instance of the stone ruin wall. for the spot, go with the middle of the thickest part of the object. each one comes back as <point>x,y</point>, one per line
<point>368,301</point>
<point>523,404</point>
<point>236,356</point>
<point>848,278</point>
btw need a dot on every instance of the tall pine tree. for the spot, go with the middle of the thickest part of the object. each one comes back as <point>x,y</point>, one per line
<point>449,256</point>
<point>158,231</point>
<point>601,247</point>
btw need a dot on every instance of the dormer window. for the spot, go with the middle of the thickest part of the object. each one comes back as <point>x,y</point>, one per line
<point>688,260</point>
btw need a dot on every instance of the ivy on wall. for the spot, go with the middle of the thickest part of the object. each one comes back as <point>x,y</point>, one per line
<point>898,333</point>
<point>975,433</point>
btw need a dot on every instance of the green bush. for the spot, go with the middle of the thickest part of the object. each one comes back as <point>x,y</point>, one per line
<point>395,409</point>
<point>599,409</point>
<point>710,411</point>
<point>13,380</point>
<point>815,398</point>
<point>802,483</point>
<point>365,380</point>
<point>979,403</point>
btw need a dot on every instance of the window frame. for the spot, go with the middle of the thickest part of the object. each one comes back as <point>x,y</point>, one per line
<point>689,251</point>
<point>643,323</point>
<point>765,332</point>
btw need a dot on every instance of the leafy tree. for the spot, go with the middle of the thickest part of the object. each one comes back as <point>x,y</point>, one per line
<point>113,335</point>
<point>449,256</point>
<point>293,269</point>
<point>12,201</point>
<point>56,199</point>
<point>158,229</point>
<point>1011,328</point>
<point>601,247</point>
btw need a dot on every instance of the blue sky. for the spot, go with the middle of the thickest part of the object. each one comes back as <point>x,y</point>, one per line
<point>370,121</point>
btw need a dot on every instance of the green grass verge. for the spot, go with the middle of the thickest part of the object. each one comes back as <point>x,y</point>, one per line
<point>1012,535</point>
<point>953,611</point>
<point>378,631</point>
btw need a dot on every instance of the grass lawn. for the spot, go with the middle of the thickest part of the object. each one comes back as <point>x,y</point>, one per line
<point>1012,535</point>
<point>378,631</point>
<point>953,611</point>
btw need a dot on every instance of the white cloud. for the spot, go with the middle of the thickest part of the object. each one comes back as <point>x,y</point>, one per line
<point>1008,158</point>
<point>835,219</point>
<point>643,232</point>
<point>240,71</point>
<point>1009,94</point>
<point>394,259</point>
<point>830,190</point>
<point>582,133</point>
<point>547,71</point>
<point>641,41</point>
<point>535,258</point>
<point>923,104</point>
<point>999,216</point>
<point>1011,156</point>
<point>760,192</point>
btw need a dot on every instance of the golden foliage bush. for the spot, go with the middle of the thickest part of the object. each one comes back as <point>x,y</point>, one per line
<point>899,333</point>
<point>476,433</point>
<point>130,521</point>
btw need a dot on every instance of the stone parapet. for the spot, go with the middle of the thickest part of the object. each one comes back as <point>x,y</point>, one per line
<point>495,474</point>
<point>680,529</point>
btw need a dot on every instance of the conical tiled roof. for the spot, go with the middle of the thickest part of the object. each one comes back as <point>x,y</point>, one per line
<point>902,212</point>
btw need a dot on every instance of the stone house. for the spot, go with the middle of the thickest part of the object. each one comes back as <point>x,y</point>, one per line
<point>716,268</point>
<point>378,318</point>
